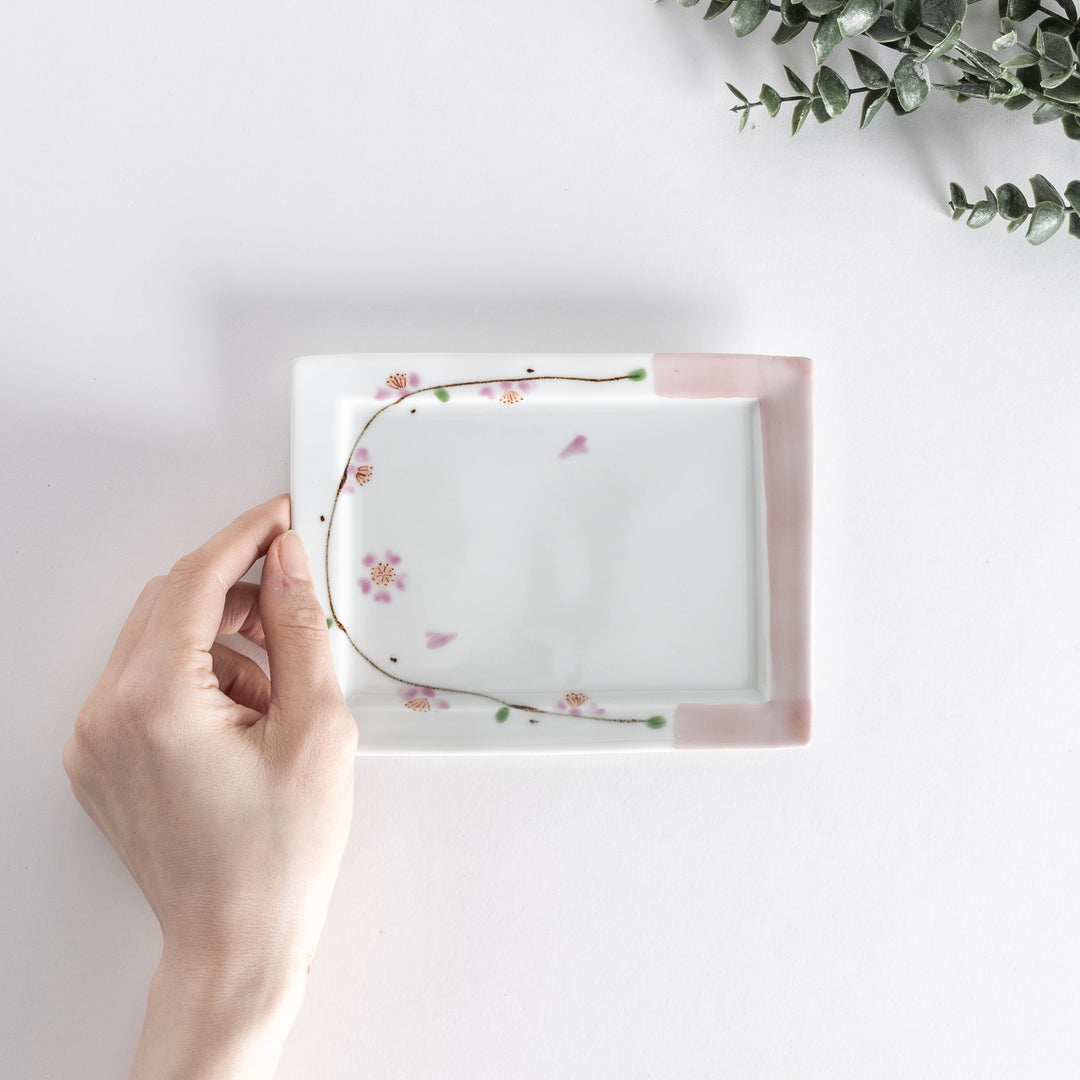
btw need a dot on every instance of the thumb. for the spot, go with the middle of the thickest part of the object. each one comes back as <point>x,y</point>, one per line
<point>302,675</point>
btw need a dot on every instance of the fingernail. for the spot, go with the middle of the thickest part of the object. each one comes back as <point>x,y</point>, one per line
<point>293,557</point>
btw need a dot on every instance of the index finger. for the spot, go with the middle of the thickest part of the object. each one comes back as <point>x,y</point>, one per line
<point>189,607</point>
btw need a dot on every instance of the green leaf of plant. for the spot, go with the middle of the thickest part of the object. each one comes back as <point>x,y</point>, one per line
<point>1047,112</point>
<point>912,83</point>
<point>957,197</point>
<point>1046,219</point>
<point>1072,127</point>
<point>637,374</point>
<point>1074,225</point>
<point>821,114</point>
<point>946,43</point>
<point>870,73</point>
<point>738,93</point>
<point>871,106</point>
<point>799,115</point>
<point>942,15</point>
<point>885,32</point>
<point>1070,93</point>
<point>1015,224</point>
<point>834,92</point>
<point>1044,191</point>
<point>655,722</point>
<point>1017,102</point>
<point>1069,8</point>
<point>822,7</point>
<point>785,33</point>
<point>1056,49</point>
<point>857,16</point>
<point>442,394</point>
<point>1011,202</point>
<point>717,7</point>
<point>826,37</point>
<point>742,119</point>
<point>982,213</point>
<point>1053,78</point>
<point>1006,41</point>
<point>792,14</point>
<point>502,715</point>
<point>991,198</point>
<point>329,622</point>
<point>907,15</point>
<point>770,99</point>
<point>1072,193</point>
<point>688,3</point>
<point>796,83</point>
<point>748,15</point>
<point>1019,10</point>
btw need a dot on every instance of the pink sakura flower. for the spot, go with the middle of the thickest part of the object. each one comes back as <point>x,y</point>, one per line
<point>572,703</point>
<point>381,575</point>
<point>512,392</point>
<point>398,385</point>
<point>359,472</point>
<point>421,699</point>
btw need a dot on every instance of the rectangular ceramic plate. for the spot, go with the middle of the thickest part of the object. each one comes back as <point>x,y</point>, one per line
<point>525,552</point>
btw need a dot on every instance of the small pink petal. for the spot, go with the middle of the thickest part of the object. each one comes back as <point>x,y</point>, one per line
<point>365,585</point>
<point>369,560</point>
<point>427,691</point>
<point>442,703</point>
<point>382,394</point>
<point>348,489</point>
<point>382,598</point>
<point>392,558</point>
<point>400,583</point>
<point>507,385</point>
<point>575,446</point>
<point>438,641</point>
<point>414,379</point>
<point>361,454</point>
<point>575,712</point>
<point>599,712</point>
<point>408,691</point>
<point>486,391</point>
<point>525,386</point>
<point>561,705</point>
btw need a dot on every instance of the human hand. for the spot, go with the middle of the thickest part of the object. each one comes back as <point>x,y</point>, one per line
<point>228,796</point>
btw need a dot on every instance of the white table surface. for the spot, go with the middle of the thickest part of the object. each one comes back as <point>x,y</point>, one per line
<point>192,197</point>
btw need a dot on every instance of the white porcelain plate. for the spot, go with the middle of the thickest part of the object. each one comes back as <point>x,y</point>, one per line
<point>522,552</point>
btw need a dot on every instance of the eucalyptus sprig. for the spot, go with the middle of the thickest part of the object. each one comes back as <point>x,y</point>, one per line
<point>1037,62</point>
<point>1008,202</point>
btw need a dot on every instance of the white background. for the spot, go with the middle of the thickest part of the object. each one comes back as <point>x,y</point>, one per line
<point>193,195</point>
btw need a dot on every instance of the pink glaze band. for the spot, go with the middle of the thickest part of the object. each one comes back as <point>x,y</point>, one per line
<point>782,385</point>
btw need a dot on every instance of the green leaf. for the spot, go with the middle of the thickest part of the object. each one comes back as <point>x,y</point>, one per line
<point>637,374</point>
<point>442,394</point>
<point>738,93</point>
<point>502,715</point>
<point>717,7</point>
<point>1047,112</point>
<point>907,15</point>
<point>1072,193</point>
<point>792,14</point>
<point>991,198</point>
<point>770,99</point>
<point>655,722</point>
<point>1015,224</point>
<point>688,3</point>
<point>329,622</point>
<point>871,74</point>
<point>799,115</point>
<point>1022,59</point>
<point>826,37</point>
<point>982,213</point>
<point>1044,191</point>
<point>796,83</point>
<point>748,15</point>
<point>785,33</point>
<point>1069,8</point>
<point>871,105</point>
<point>1054,78</point>
<point>957,197</point>
<point>1056,49</point>
<point>1011,202</point>
<point>884,32</point>
<point>1046,219</point>
<point>1019,10</point>
<point>1017,102</point>
<point>1069,94</point>
<point>821,114</point>
<point>1006,41</point>
<point>1074,225</point>
<point>1072,127</point>
<point>942,15</point>
<point>946,43</point>
<point>834,92</point>
<point>822,7</point>
<point>744,116</point>
<point>857,16</point>
<point>912,83</point>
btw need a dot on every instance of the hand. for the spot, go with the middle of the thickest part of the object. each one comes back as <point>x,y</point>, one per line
<point>228,796</point>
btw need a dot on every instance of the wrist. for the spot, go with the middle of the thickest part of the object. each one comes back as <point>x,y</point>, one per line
<point>211,1017</point>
